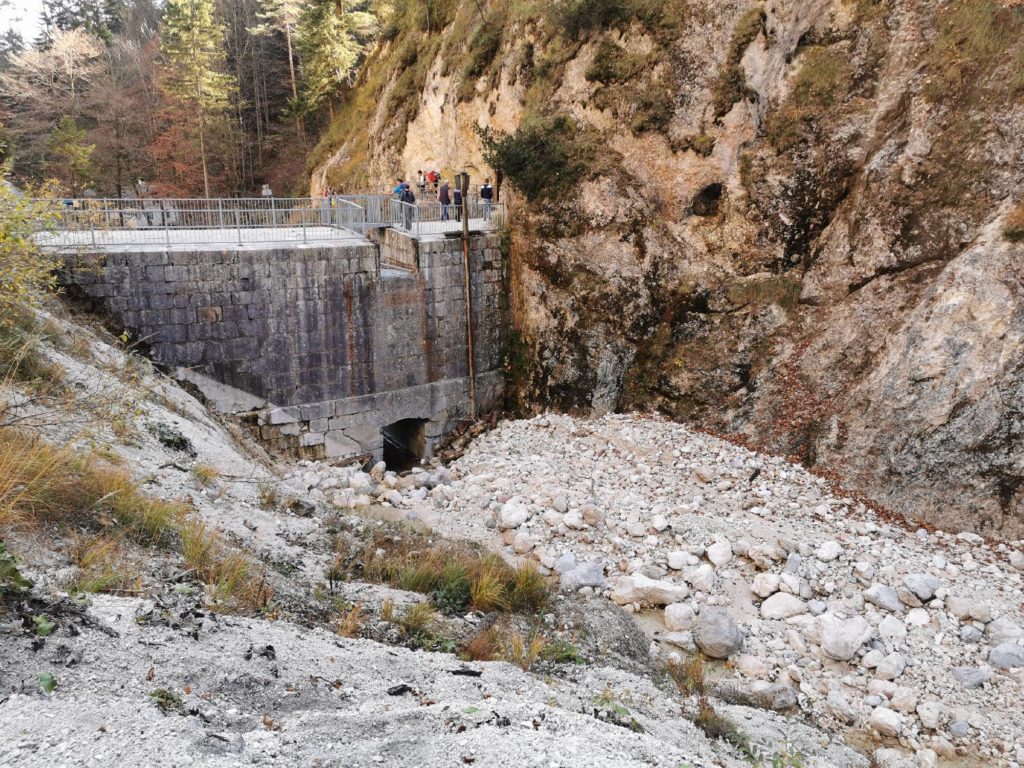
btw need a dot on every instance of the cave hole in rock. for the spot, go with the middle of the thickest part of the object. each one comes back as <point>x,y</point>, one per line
<point>705,202</point>
<point>405,443</point>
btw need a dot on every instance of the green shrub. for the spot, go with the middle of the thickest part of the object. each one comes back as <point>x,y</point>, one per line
<point>483,51</point>
<point>11,580</point>
<point>701,143</point>
<point>544,159</point>
<point>655,108</point>
<point>975,40</point>
<point>823,77</point>
<point>576,18</point>
<point>605,66</point>
<point>26,271</point>
<point>456,576</point>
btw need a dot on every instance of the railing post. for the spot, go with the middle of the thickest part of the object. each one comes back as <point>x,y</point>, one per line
<point>273,213</point>
<point>238,222</point>
<point>92,230</point>
<point>220,210</point>
<point>304,229</point>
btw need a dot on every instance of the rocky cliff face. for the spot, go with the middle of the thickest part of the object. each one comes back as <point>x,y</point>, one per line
<point>786,220</point>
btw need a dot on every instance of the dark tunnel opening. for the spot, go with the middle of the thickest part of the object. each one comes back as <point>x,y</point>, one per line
<point>404,443</point>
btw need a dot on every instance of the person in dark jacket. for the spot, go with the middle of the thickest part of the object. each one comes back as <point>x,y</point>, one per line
<point>407,210</point>
<point>457,203</point>
<point>444,199</point>
<point>486,196</point>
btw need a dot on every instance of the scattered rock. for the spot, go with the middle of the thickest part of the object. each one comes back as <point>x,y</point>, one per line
<point>1002,630</point>
<point>513,514</point>
<point>891,667</point>
<point>840,707</point>
<point>928,713</point>
<point>679,617</point>
<point>765,584</point>
<point>592,515</point>
<point>646,591</point>
<point>971,677</point>
<point>590,574</point>
<point>523,543</point>
<point>565,563</point>
<point>884,597</point>
<point>702,578</point>
<point>828,551</point>
<point>842,638</point>
<point>782,606</point>
<point>719,553</point>
<point>717,634</point>
<point>885,721</point>
<point>1007,656</point>
<point>922,585</point>
<point>959,729</point>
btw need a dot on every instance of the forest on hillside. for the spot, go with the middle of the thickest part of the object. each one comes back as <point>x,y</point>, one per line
<point>194,97</point>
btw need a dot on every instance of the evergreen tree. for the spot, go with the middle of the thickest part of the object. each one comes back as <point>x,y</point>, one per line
<point>102,18</point>
<point>332,37</point>
<point>281,16</point>
<point>70,158</point>
<point>11,44</point>
<point>192,48</point>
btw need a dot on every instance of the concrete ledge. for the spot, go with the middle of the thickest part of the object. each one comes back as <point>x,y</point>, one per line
<point>355,430</point>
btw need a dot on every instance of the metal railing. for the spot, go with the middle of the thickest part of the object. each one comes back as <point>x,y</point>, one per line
<point>174,221</point>
<point>431,218</point>
<point>177,221</point>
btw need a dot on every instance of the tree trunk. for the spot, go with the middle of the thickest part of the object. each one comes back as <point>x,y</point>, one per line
<point>291,72</point>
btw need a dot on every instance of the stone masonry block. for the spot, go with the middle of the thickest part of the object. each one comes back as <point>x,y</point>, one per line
<point>283,415</point>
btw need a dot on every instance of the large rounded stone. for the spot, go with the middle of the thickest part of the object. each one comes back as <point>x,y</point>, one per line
<point>923,585</point>
<point>842,638</point>
<point>1007,656</point>
<point>782,605</point>
<point>584,575</point>
<point>884,597</point>
<point>716,634</point>
<point>513,514</point>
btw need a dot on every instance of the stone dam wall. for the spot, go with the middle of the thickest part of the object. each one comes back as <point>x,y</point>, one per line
<point>324,343</point>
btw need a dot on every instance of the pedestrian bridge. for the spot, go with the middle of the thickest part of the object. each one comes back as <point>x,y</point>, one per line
<point>337,327</point>
<point>145,222</point>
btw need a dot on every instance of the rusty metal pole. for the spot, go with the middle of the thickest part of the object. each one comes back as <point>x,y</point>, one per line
<point>466,274</point>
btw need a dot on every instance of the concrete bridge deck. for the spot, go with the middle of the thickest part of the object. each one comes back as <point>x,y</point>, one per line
<point>151,240</point>
<point>172,222</point>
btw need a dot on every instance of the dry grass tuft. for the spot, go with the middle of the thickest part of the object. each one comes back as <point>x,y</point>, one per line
<point>227,572</point>
<point>483,646</point>
<point>350,623</point>
<point>523,651</point>
<point>487,592</point>
<point>199,545</point>
<point>417,621</point>
<point>103,565</point>
<point>689,676</point>
<point>505,642</point>
<point>269,497</point>
<point>205,475</point>
<point>43,484</point>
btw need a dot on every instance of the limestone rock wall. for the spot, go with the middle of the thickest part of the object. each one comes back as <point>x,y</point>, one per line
<point>807,250</point>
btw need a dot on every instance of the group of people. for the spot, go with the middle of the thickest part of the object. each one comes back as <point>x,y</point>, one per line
<point>449,197</point>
